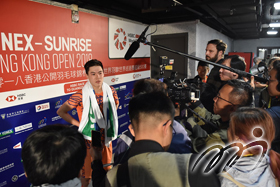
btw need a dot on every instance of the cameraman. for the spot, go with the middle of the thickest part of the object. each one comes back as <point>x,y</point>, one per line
<point>234,94</point>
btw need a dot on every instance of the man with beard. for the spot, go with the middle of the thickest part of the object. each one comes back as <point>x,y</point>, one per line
<point>215,51</point>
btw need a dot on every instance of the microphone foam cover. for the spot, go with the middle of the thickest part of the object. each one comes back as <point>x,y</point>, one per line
<point>131,50</point>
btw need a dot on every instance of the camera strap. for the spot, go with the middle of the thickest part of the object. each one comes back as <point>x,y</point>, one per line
<point>123,179</point>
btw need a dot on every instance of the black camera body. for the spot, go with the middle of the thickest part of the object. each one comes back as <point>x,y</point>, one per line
<point>183,91</point>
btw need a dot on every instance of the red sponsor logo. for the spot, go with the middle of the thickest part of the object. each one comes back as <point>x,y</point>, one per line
<point>18,146</point>
<point>113,79</point>
<point>136,76</point>
<point>11,98</point>
<point>120,39</point>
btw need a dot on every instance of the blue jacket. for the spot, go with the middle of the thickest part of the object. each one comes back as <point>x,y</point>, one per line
<point>244,172</point>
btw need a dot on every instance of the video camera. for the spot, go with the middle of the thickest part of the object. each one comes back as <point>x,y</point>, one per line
<point>183,91</point>
<point>260,70</point>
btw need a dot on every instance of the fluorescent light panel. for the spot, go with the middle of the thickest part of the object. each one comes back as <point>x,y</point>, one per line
<point>274,25</point>
<point>272,32</point>
<point>277,5</point>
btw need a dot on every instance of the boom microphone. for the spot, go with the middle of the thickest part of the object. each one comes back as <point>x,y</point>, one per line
<point>135,45</point>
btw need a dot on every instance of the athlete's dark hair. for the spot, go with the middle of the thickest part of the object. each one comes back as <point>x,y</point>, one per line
<point>91,63</point>
<point>53,154</point>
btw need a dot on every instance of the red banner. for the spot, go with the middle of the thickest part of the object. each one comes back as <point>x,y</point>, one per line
<point>41,46</point>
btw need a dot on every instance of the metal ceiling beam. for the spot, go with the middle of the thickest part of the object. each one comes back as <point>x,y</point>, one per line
<point>171,8</point>
<point>209,2</point>
<point>215,16</point>
<point>242,23</point>
<point>241,14</point>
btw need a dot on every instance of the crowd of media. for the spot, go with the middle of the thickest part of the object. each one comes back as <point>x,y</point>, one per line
<point>219,128</point>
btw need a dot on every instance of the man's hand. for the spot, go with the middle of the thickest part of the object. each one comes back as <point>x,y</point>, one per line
<point>252,81</point>
<point>260,85</point>
<point>96,153</point>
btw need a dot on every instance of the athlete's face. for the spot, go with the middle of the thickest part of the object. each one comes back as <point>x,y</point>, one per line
<point>95,76</point>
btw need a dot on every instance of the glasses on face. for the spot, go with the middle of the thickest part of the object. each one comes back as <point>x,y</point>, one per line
<point>173,130</point>
<point>218,96</point>
<point>270,80</point>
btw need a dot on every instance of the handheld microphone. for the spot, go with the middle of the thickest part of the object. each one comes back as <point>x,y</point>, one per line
<point>135,45</point>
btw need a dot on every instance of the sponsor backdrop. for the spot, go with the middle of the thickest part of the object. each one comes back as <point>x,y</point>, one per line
<point>124,35</point>
<point>42,54</point>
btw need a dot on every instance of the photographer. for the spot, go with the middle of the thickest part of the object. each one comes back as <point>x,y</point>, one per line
<point>265,100</point>
<point>231,96</point>
<point>274,90</point>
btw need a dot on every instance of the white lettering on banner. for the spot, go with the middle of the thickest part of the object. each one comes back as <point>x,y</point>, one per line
<point>67,44</point>
<point>14,42</point>
<point>43,61</point>
<point>38,62</point>
<point>17,113</point>
<point>3,151</point>
<point>16,39</point>
<point>123,87</point>
<point>21,175</point>
<point>56,118</point>
<point>123,124</point>
<point>23,127</point>
<point>3,183</point>
<point>121,115</point>
<point>9,64</point>
<point>7,167</point>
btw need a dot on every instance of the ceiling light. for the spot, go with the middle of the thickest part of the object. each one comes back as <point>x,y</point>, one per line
<point>274,24</point>
<point>277,6</point>
<point>272,32</point>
